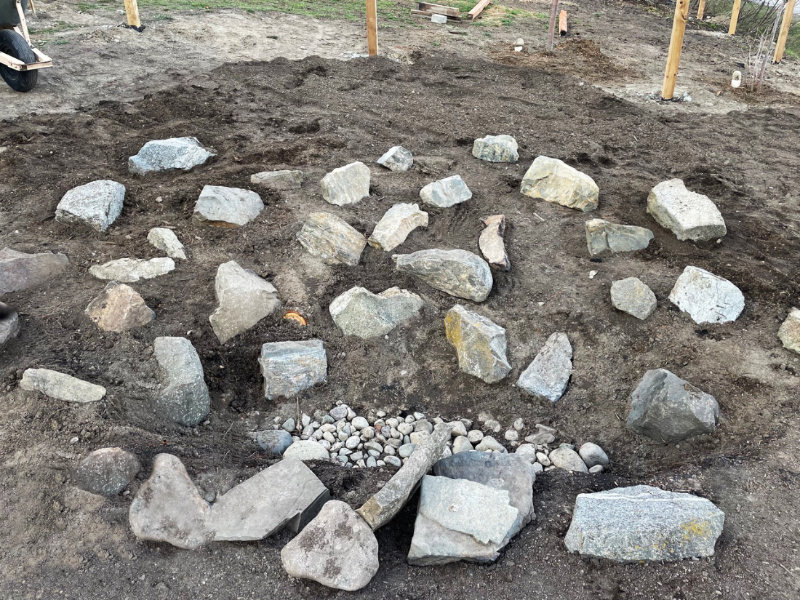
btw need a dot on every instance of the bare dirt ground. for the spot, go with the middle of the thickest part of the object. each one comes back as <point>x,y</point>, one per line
<point>585,104</point>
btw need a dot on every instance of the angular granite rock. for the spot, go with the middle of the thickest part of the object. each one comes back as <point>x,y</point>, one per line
<point>279,181</point>
<point>119,308</point>
<point>165,240</point>
<point>346,185</point>
<point>479,343</point>
<point>633,524</point>
<point>397,159</point>
<point>496,148</point>
<point>107,471</point>
<point>336,549</point>
<point>548,374</point>
<point>363,314</point>
<point>788,333</point>
<point>555,181</point>
<point>96,204</point>
<point>131,270</point>
<point>328,237</point>
<point>184,394</point>
<point>604,236</point>
<point>20,271</point>
<point>491,242</point>
<point>632,296</point>
<point>60,386</point>
<point>287,494</point>
<point>226,206</point>
<point>168,507</point>
<point>706,297</point>
<point>690,216</point>
<point>666,408</point>
<point>289,368</point>
<point>183,153</point>
<point>446,192</point>
<point>395,225</point>
<point>456,272</point>
<point>244,299</point>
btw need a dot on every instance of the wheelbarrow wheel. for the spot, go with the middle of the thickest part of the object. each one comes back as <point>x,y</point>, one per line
<point>14,44</point>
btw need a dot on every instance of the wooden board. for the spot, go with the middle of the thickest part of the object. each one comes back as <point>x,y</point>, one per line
<point>479,7</point>
<point>372,27</point>
<point>428,14</point>
<point>439,9</point>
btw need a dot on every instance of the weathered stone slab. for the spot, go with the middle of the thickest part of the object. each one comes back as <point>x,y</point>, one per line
<point>131,270</point>
<point>604,236</point>
<point>363,314</point>
<point>331,239</point>
<point>107,471</point>
<point>306,450</point>
<point>182,153</point>
<point>279,181</point>
<point>20,271</point>
<point>119,308</point>
<point>491,242</point>
<point>184,394</point>
<point>690,216</point>
<point>244,299</point>
<point>706,297</point>
<point>387,502</point>
<point>227,207</point>
<point>643,523</point>
<point>346,185</point>
<point>566,458</point>
<point>446,192</point>
<point>60,386</point>
<point>9,323</point>
<point>289,368</point>
<point>666,408</point>
<point>555,181</point>
<point>456,272</point>
<point>165,240</point>
<point>397,159</point>
<point>632,296</point>
<point>287,494</point>
<point>395,225</point>
<point>479,343</point>
<point>336,549</point>
<point>168,507</point>
<point>788,333</point>
<point>496,148</point>
<point>96,204</point>
<point>549,372</point>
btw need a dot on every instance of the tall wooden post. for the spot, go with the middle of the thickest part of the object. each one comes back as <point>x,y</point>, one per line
<point>372,27</point>
<point>780,47</point>
<point>675,45</point>
<point>132,12</point>
<point>737,6</point>
<point>552,31</point>
<point>701,9</point>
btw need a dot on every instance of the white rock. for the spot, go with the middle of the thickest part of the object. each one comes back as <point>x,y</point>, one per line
<point>331,239</point>
<point>165,240</point>
<point>592,455</point>
<point>60,386</point>
<point>182,153</point>
<point>397,159</point>
<point>706,297</point>
<point>567,459</point>
<point>395,225</point>
<point>690,216</point>
<point>226,206</point>
<point>96,204</point>
<point>363,314</point>
<point>346,185</point>
<point>632,296</point>
<point>548,374</point>
<point>789,331</point>
<point>555,181</point>
<point>244,299</point>
<point>291,367</point>
<point>446,192</point>
<point>131,270</point>
<point>496,148</point>
<point>306,450</point>
<point>279,181</point>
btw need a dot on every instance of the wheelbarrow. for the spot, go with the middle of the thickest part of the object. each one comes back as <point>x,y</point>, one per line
<point>19,60</point>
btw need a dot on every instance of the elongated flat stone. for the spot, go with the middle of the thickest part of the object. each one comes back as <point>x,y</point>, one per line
<point>244,299</point>
<point>706,297</point>
<point>361,313</point>
<point>479,343</point>
<point>131,270</point>
<point>604,236</point>
<point>555,181</point>
<point>96,204</point>
<point>548,374</point>
<point>278,181</point>
<point>331,239</point>
<point>395,225</point>
<point>20,271</point>
<point>491,242</point>
<point>227,207</point>
<point>61,386</point>
<point>446,192</point>
<point>182,153</point>
<point>456,272</point>
<point>289,368</point>
<point>165,240</point>
<point>184,394</point>
<point>346,185</point>
<point>690,216</point>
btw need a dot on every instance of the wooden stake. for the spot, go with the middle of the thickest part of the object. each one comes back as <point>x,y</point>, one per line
<point>132,11</point>
<point>780,47</point>
<point>372,27</point>
<point>675,45</point>
<point>478,9</point>
<point>552,31</point>
<point>737,6</point>
<point>562,23</point>
<point>701,9</point>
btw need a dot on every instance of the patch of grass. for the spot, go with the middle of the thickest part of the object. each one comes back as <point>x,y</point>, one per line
<point>793,41</point>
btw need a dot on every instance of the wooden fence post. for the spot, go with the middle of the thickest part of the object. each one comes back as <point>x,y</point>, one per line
<point>372,27</point>
<point>132,12</point>
<point>552,31</point>
<point>675,45</point>
<point>701,9</point>
<point>737,6</point>
<point>780,47</point>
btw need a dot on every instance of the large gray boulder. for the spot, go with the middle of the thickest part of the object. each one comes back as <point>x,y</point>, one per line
<point>666,408</point>
<point>287,494</point>
<point>548,374</point>
<point>456,272</point>
<point>244,299</point>
<point>20,271</point>
<point>289,368</point>
<point>346,185</point>
<point>119,308</point>
<point>363,314</point>
<point>446,192</point>
<point>131,270</point>
<point>491,242</point>
<point>165,240</point>
<point>479,343</point>
<point>632,524</point>
<point>60,386</point>
<point>183,396</point>
<point>706,297</point>
<point>337,549</point>
<point>496,148</point>
<point>690,216</point>
<point>395,225</point>
<point>183,153</point>
<point>555,181</point>
<point>329,238</point>
<point>632,296</point>
<point>226,206</point>
<point>788,333</point>
<point>604,236</point>
<point>107,471</point>
<point>96,204</point>
<point>397,159</point>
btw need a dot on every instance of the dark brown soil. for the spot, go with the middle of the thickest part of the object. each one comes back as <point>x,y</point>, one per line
<point>59,542</point>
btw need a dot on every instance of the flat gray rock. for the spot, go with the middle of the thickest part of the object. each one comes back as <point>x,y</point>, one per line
<point>788,333</point>
<point>346,185</point>
<point>165,240</point>
<point>706,297</point>
<point>395,225</point>
<point>666,408</point>
<point>456,272</point>
<point>690,216</point>
<point>363,314</point>
<point>287,494</point>
<point>336,549</point>
<point>306,450</point>
<point>183,396</point>
<point>492,244</point>
<point>446,192</point>
<point>243,299</point>
<point>632,296</point>
<point>279,181</point>
<point>107,471</point>
<point>397,159</point>
<point>331,239</point>
<point>566,458</point>
<point>273,442</point>
<point>604,236</point>
<point>9,324</point>
<point>119,308</point>
<point>96,204</point>
<point>643,523</point>
<point>168,507</point>
<point>496,148</point>
<point>479,343</point>
<point>183,153</point>
<point>131,270</point>
<point>20,271</point>
<point>548,374</point>
<point>60,386</point>
<point>289,368</point>
<point>555,181</point>
<point>227,207</point>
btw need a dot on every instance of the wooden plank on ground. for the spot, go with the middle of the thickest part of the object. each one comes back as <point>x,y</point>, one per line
<point>562,23</point>
<point>479,8</point>
<point>428,14</point>
<point>439,9</point>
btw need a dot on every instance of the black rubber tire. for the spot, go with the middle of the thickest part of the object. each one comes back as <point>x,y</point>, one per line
<point>15,45</point>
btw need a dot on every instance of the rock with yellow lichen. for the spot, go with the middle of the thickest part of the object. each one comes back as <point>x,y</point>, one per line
<point>479,343</point>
